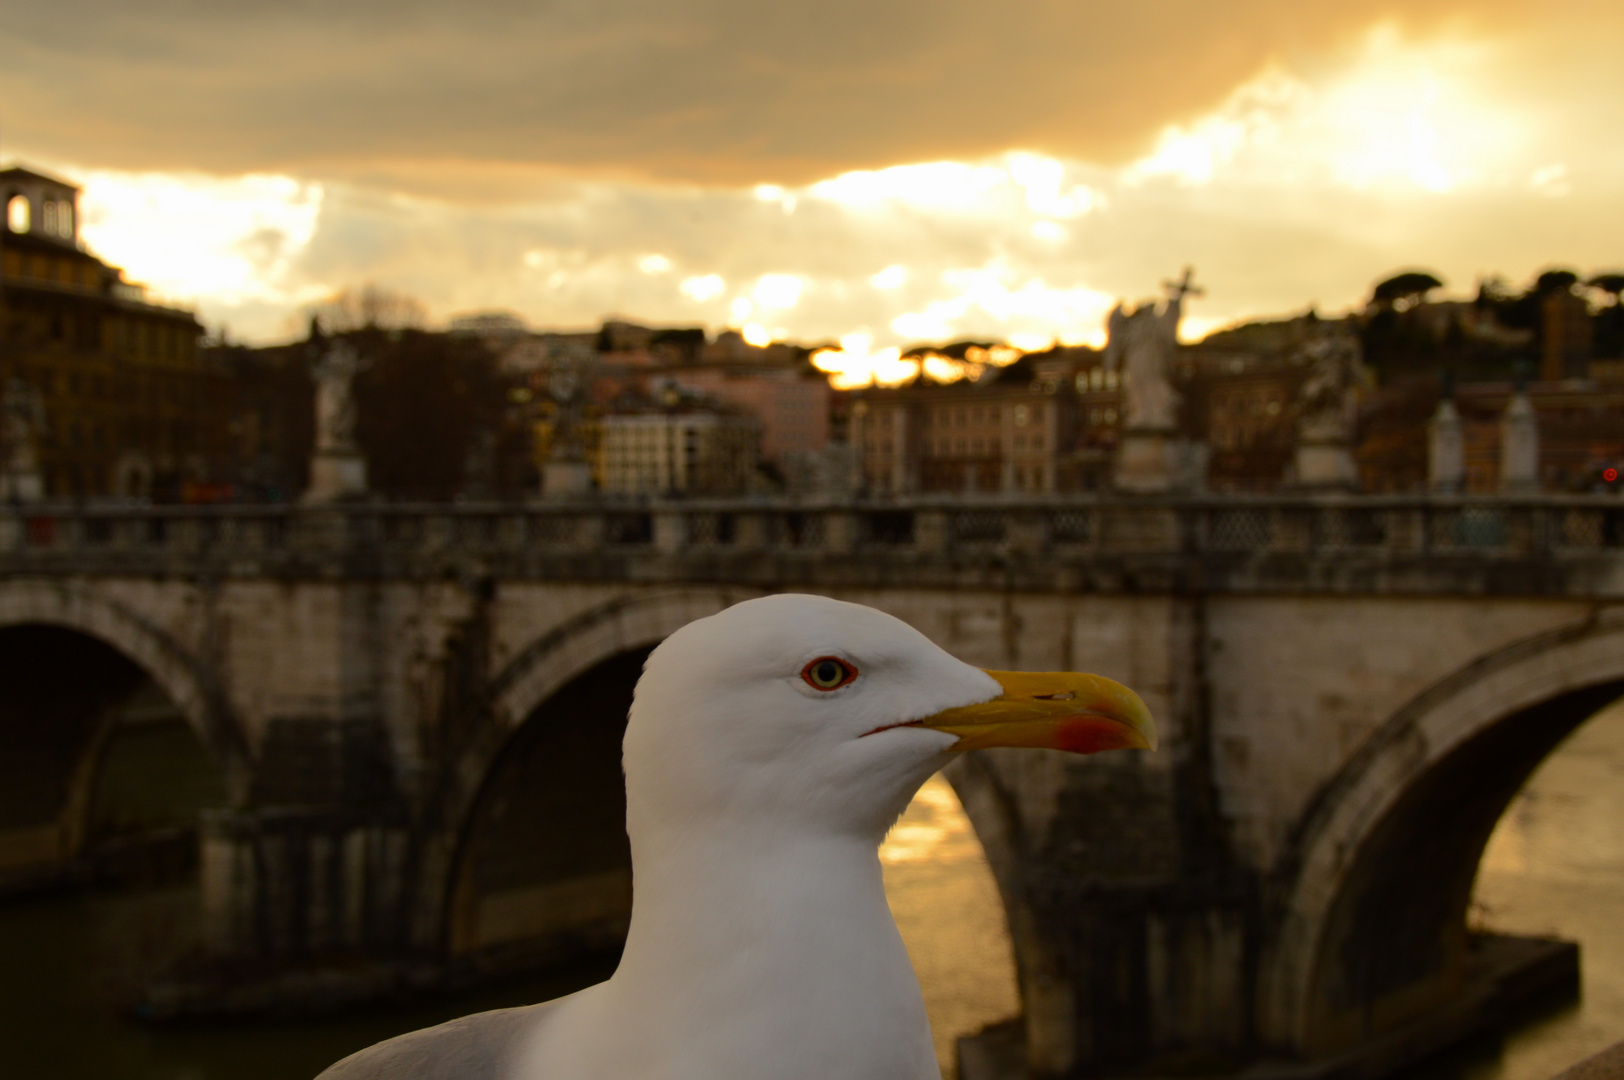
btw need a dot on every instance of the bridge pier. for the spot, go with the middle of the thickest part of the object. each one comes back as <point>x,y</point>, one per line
<point>319,862</point>
<point>1135,928</point>
<point>290,884</point>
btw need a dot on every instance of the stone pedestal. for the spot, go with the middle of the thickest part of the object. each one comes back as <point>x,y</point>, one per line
<point>336,476</point>
<point>1325,466</point>
<point>22,487</point>
<point>1519,445</point>
<point>1153,460</point>
<point>1446,449</point>
<point>1141,463</point>
<point>566,479</point>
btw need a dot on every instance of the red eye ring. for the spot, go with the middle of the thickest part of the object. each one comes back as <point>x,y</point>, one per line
<point>828,673</point>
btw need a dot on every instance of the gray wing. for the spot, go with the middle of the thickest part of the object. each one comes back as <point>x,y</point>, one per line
<point>477,1047</point>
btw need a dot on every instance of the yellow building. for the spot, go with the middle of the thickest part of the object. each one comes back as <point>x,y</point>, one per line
<point>126,403</point>
<point>689,452</point>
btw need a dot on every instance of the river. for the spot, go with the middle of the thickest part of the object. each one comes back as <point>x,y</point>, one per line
<point>1554,866</point>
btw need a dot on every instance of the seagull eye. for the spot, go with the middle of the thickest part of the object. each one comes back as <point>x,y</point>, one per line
<point>828,673</point>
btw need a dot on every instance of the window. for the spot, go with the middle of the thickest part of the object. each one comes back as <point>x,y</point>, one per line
<point>18,214</point>
<point>1021,418</point>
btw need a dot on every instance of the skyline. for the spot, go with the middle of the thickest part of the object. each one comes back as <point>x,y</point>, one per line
<point>1291,168</point>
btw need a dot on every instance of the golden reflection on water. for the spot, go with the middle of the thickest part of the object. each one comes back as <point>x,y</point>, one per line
<point>951,918</point>
<point>1555,867</point>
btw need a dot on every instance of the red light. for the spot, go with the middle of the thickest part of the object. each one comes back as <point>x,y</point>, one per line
<point>1609,475</point>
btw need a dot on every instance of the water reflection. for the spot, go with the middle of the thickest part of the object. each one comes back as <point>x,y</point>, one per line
<point>951,917</point>
<point>65,974</point>
<point>69,964</point>
<point>1555,866</point>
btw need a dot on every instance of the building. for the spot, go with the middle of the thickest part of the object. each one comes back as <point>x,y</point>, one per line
<point>683,450</point>
<point>1243,405</point>
<point>566,386</point>
<point>1581,431</point>
<point>122,401</point>
<point>1580,425</point>
<point>1567,336</point>
<point>1044,423</point>
<point>792,409</point>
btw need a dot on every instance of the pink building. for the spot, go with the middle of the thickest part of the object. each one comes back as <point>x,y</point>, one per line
<point>794,411</point>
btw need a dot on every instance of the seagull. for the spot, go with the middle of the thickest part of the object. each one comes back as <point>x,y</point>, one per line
<point>768,750</point>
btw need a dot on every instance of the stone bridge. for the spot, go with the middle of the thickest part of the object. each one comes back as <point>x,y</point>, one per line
<point>350,716</point>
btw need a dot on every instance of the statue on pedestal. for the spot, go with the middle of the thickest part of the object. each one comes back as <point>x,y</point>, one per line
<point>1142,344</point>
<point>1326,406</point>
<point>335,398</point>
<point>1519,440</point>
<point>1446,444</point>
<point>337,469</point>
<point>24,419</point>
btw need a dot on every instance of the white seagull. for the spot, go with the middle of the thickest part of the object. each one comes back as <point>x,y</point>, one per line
<point>768,750</point>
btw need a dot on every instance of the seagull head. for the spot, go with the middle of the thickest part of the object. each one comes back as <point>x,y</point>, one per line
<point>802,713</point>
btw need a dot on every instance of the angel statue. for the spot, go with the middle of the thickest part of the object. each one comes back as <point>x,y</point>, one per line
<point>1141,343</point>
<point>335,398</point>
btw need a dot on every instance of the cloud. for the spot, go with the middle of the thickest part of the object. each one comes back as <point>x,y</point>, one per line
<point>981,208</point>
<point>233,240</point>
<point>479,99</point>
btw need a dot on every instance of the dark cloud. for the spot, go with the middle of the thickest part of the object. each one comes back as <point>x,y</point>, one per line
<point>433,95</point>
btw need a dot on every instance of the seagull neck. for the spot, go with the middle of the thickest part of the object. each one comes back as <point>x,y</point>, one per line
<point>758,954</point>
<point>701,894</point>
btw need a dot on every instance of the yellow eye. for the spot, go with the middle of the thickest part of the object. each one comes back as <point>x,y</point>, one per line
<point>828,673</point>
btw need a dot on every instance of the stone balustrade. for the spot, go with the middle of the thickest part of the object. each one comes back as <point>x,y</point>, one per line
<point>1535,544</point>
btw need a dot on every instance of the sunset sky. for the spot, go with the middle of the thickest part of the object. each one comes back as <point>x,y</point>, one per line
<point>903,170</point>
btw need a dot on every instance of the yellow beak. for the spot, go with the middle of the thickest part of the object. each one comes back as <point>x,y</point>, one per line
<point>1062,710</point>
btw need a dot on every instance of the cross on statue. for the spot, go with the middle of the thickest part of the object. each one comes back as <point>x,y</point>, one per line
<point>1185,286</point>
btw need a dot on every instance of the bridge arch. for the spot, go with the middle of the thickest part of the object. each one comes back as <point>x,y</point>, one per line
<point>580,649</point>
<point>1373,889</point>
<point>183,679</point>
<point>636,620</point>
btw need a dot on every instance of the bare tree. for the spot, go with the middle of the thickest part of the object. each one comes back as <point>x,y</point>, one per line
<point>368,308</point>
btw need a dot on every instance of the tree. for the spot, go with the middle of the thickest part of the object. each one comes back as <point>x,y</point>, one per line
<point>1408,285</point>
<point>1610,319</point>
<point>1555,281</point>
<point>428,411</point>
<point>1611,283</point>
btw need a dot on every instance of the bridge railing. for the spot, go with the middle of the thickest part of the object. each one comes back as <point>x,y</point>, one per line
<point>1076,526</point>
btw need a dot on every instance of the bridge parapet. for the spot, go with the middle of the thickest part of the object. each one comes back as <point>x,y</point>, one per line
<point>1402,544</point>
